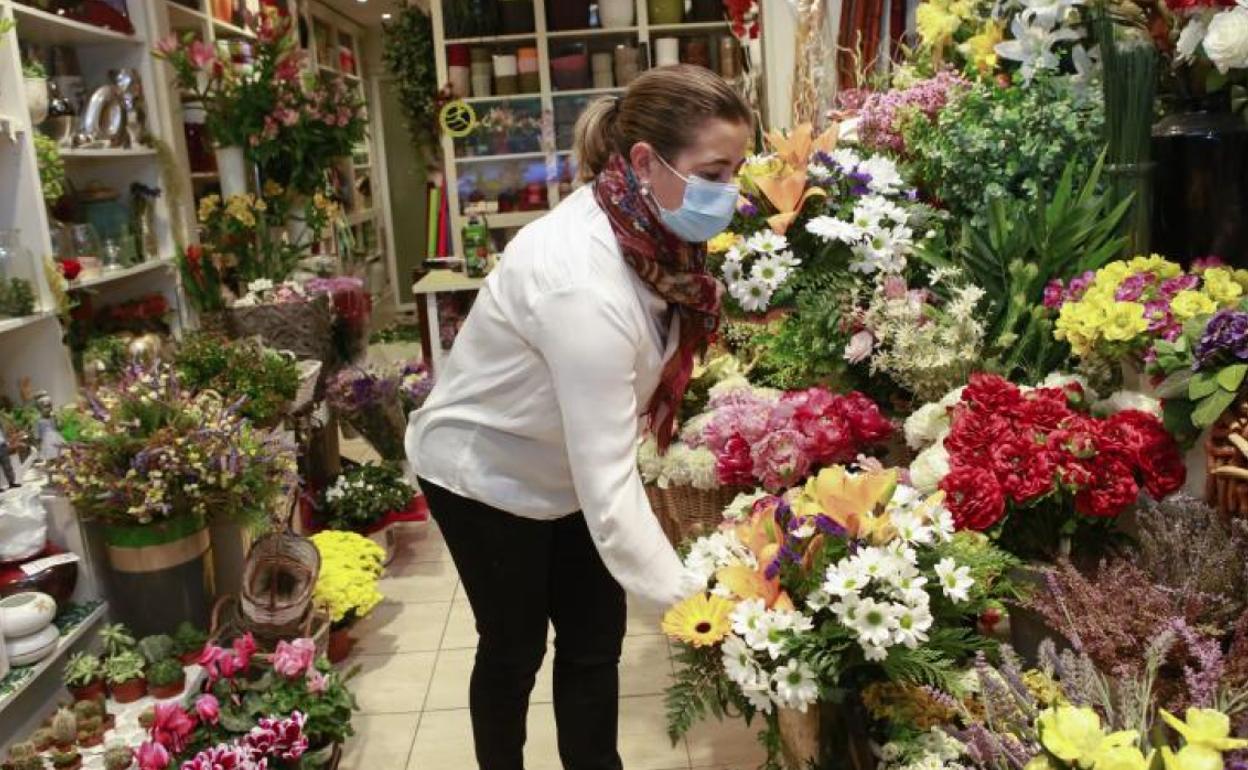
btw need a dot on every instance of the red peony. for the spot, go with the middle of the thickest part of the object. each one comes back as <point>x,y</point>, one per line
<point>1024,470</point>
<point>974,497</point>
<point>1150,447</point>
<point>869,425</point>
<point>973,435</point>
<point>992,393</point>
<point>829,440</point>
<point>734,465</point>
<point>1044,409</point>
<point>1113,487</point>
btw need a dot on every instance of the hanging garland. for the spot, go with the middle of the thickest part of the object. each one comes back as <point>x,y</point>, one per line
<point>408,54</point>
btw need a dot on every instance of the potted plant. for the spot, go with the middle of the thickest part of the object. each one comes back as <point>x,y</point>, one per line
<point>124,672</point>
<point>23,756</point>
<point>346,588</point>
<point>166,678</point>
<point>84,676</point>
<point>237,369</point>
<point>156,648</point>
<point>94,709</point>
<point>90,732</point>
<point>118,757</point>
<point>64,729</point>
<point>36,80</point>
<point>69,759</point>
<point>188,642</point>
<point>42,739</point>
<point>116,638</point>
<point>363,496</point>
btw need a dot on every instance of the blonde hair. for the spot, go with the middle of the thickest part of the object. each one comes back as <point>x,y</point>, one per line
<point>665,107</point>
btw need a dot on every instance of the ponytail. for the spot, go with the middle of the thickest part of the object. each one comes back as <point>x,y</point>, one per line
<point>665,107</point>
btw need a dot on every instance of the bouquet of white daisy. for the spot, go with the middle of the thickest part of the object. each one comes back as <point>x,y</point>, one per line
<point>810,595</point>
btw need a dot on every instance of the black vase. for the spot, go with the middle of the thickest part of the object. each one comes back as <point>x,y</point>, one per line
<point>567,14</point>
<point>1201,182</point>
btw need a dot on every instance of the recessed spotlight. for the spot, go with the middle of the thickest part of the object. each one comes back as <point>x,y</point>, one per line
<point>386,16</point>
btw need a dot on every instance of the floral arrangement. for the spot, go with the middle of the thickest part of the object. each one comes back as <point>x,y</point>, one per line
<point>350,568</point>
<point>372,401</point>
<point>363,495</point>
<point>1204,366</point>
<point>273,742</point>
<point>239,369</point>
<point>1030,463</point>
<point>850,579</point>
<point>1211,33</point>
<point>751,437</point>
<point>883,114</point>
<point>1117,312</point>
<point>156,450</point>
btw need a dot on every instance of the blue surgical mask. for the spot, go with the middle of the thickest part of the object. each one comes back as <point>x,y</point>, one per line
<point>706,210</point>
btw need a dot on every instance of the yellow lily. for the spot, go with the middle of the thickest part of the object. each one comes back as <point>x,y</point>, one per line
<point>850,500</point>
<point>1208,728</point>
<point>787,194</point>
<point>1075,736</point>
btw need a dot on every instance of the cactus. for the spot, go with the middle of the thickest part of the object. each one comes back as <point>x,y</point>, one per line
<point>42,739</point>
<point>66,759</point>
<point>85,709</point>
<point>23,750</point>
<point>64,728</point>
<point>118,757</point>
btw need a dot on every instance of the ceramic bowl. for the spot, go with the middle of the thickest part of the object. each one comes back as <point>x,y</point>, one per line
<point>23,614</point>
<point>27,650</point>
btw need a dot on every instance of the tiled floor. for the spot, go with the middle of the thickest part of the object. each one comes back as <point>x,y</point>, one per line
<point>416,653</point>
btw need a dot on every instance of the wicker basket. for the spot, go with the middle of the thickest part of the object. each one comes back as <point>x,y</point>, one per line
<point>229,622</point>
<point>278,580</point>
<point>1227,493</point>
<point>686,512</point>
<point>303,328</point>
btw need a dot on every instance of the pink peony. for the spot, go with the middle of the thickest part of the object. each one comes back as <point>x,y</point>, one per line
<point>152,756</point>
<point>780,459</point>
<point>208,709</point>
<point>292,659</point>
<point>733,465</point>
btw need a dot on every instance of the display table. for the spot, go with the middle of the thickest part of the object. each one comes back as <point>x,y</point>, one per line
<point>427,290</point>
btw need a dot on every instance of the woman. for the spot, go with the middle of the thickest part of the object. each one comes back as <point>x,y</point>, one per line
<point>526,449</point>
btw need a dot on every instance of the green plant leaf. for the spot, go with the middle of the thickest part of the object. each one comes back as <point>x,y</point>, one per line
<point>1201,385</point>
<point>1211,408</point>
<point>1175,385</point>
<point>1231,377</point>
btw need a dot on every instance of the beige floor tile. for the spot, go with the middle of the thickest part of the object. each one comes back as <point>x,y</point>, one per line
<point>644,744</point>
<point>397,627</point>
<point>730,743</point>
<point>393,684</point>
<point>461,628</point>
<point>449,688</point>
<point>443,742</point>
<point>433,581</point>
<point>645,666</point>
<point>381,741</point>
<point>643,620</point>
<point>419,543</point>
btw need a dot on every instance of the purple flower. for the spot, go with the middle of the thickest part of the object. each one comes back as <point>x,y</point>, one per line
<point>1172,286</point>
<point>862,183</point>
<point>884,113</point>
<point>1079,286</point>
<point>747,208</point>
<point>1226,332</point>
<point>1204,263</point>
<point>1133,286</point>
<point>1054,292</point>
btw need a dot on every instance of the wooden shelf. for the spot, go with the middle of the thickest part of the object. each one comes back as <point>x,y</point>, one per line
<point>501,158</point>
<point>34,25</point>
<point>19,679</point>
<point>110,276</point>
<point>177,10</point>
<point>13,324</point>
<point>109,153</point>
<point>592,32</point>
<point>693,26</point>
<point>230,29</point>
<point>493,39</point>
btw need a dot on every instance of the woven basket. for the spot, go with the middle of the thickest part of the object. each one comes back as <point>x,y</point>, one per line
<point>278,580</point>
<point>1226,493</point>
<point>228,623</point>
<point>687,512</point>
<point>303,328</point>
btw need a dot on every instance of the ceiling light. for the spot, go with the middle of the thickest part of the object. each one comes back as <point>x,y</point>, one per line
<point>386,16</point>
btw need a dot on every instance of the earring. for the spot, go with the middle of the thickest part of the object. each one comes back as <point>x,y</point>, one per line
<point>645,188</point>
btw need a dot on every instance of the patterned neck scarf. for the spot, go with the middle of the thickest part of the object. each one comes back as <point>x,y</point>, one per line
<point>673,269</point>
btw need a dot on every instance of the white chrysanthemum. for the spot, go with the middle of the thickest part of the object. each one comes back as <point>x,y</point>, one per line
<point>912,623</point>
<point>1226,40</point>
<point>873,562</point>
<point>739,664</point>
<point>675,471</point>
<point>928,423</point>
<point>752,294</point>
<point>712,552</point>
<point>702,469</point>
<point>767,242</point>
<point>885,179</point>
<point>845,578</point>
<point>846,158</point>
<point>759,698</point>
<point>818,600</point>
<point>873,211</point>
<point>795,685</point>
<point>912,528</point>
<point>929,468</point>
<point>955,581</point>
<point>731,271</point>
<point>778,627</point>
<point>649,462</point>
<point>875,622</point>
<point>788,259</point>
<point>771,270</point>
<point>953,397</point>
<point>835,230</point>
<point>748,619</point>
<point>874,653</point>
<point>1061,380</point>
<point>1124,400</point>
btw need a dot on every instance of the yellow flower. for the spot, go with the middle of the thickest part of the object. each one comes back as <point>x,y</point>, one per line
<point>1123,321</point>
<point>1042,687</point>
<point>1191,758</point>
<point>1119,758</point>
<point>1189,304</point>
<point>1109,276</point>
<point>850,499</point>
<point>208,206</point>
<point>1075,736</point>
<point>981,48</point>
<point>722,242</point>
<point>936,25</point>
<point>1241,278</point>
<point>1209,728</point>
<point>272,189</point>
<point>700,620</point>
<point>1156,264</point>
<point>1221,286</point>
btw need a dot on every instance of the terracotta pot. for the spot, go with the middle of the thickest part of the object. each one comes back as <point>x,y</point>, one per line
<point>94,691</point>
<point>191,658</point>
<point>74,766</point>
<point>110,722</point>
<point>340,644</point>
<point>90,741</point>
<point>162,692</point>
<point>129,691</point>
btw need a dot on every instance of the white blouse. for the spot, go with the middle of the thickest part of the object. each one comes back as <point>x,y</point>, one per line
<point>537,408</point>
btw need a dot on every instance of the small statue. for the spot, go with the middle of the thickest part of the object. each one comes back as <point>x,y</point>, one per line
<point>48,437</point>
<point>6,462</point>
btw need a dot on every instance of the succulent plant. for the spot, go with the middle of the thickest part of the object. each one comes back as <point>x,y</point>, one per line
<point>23,750</point>
<point>123,667</point>
<point>164,672</point>
<point>22,756</point>
<point>156,647</point>
<point>187,638</point>
<point>42,739</point>
<point>118,757</point>
<point>82,669</point>
<point>86,709</point>
<point>90,725</point>
<point>116,638</point>
<point>70,758</point>
<point>64,728</point>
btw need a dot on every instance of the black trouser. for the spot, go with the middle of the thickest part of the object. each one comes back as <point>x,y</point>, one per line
<point>519,574</point>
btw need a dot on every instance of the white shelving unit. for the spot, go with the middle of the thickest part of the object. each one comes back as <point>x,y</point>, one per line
<point>550,164</point>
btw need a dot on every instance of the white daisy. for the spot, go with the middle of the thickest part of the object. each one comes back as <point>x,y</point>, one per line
<point>759,698</point>
<point>955,581</point>
<point>787,259</point>
<point>771,271</point>
<point>739,664</point>
<point>874,652</point>
<point>875,622</point>
<point>872,562</point>
<point>748,619</point>
<point>731,271</point>
<point>912,624</point>
<point>795,685</point>
<point>846,158</point>
<point>845,578</point>
<point>942,522</point>
<point>767,242</point>
<point>885,179</point>
<point>818,600</point>
<point>847,609</point>
<point>752,294</point>
<point>835,230</point>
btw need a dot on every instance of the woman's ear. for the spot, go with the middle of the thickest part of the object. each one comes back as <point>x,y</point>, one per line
<point>641,157</point>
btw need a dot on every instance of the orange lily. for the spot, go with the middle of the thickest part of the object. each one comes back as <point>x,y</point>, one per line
<point>797,147</point>
<point>850,500</point>
<point>746,583</point>
<point>787,194</point>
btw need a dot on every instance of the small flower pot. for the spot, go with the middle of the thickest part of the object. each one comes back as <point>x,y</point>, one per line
<point>75,765</point>
<point>90,740</point>
<point>162,692</point>
<point>129,691</point>
<point>110,722</point>
<point>340,644</point>
<point>191,658</point>
<point>94,691</point>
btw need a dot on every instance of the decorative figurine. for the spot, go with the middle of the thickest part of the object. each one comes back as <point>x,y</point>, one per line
<point>49,438</point>
<point>6,462</point>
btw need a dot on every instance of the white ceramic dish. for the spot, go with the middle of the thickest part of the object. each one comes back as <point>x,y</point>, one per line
<point>25,613</point>
<point>27,650</point>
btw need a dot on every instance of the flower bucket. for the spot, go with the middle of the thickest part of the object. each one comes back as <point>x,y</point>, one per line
<point>232,168</point>
<point>340,644</point>
<point>829,736</point>
<point>1226,492</point>
<point>161,574</point>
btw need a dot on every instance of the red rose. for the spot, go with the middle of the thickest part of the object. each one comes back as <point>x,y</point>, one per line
<point>1044,409</point>
<point>869,425</point>
<point>70,268</point>
<point>1113,487</point>
<point>1078,435</point>
<point>734,466</point>
<point>1150,447</point>
<point>973,435</point>
<point>1024,470</point>
<point>992,393</point>
<point>974,497</point>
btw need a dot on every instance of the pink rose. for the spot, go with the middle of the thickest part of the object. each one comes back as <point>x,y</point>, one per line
<point>208,709</point>
<point>152,756</point>
<point>291,659</point>
<point>859,347</point>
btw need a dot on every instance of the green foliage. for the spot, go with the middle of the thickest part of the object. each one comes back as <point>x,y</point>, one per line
<point>187,638</point>
<point>116,638</point>
<point>238,369</point>
<point>328,713</point>
<point>107,352</point>
<point>156,647</point>
<point>123,667</point>
<point>989,566</point>
<point>1021,246</point>
<point>363,494</point>
<point>51,167</point>
<point>82,669</point>
<point>806,348</point>
<point>17,298</point>
<point>938,663</point>
<point>998,142</point>
<point>165,672</point>
<point>34,69</point>
<point>409,56</point>
<point>700,690</point>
